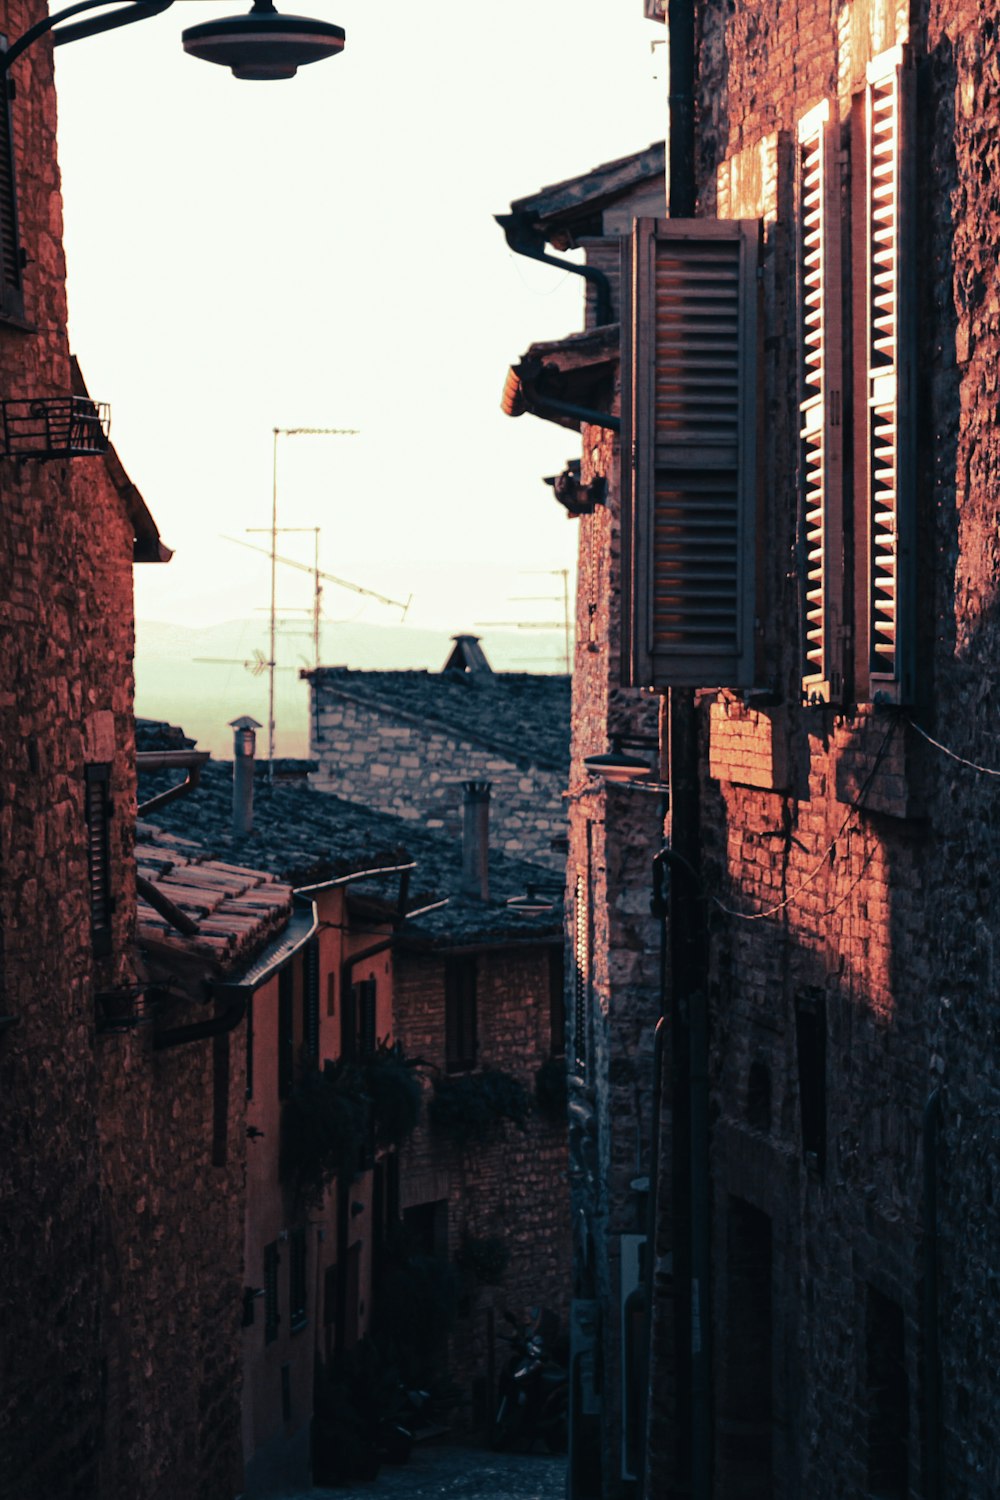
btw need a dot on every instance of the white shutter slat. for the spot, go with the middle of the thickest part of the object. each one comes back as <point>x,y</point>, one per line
<point>689,428</point>
<point>889,437</point>
<point>820,450</point>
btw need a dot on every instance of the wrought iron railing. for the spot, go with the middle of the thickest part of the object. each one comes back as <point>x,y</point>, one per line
<point>54,427</point>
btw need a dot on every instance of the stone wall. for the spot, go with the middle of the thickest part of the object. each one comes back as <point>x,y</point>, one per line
<point>515,1188</point>
<point>119,1241</point>
<point>853,931</point>
<point>416,771</point>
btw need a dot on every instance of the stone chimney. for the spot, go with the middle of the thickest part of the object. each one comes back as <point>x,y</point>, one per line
<point>244,744</point>
<point>476,839</point>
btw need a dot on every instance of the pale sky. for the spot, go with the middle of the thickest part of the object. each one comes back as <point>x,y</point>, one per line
<point>322,252</point>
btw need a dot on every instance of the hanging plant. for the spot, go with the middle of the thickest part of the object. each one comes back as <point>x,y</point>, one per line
<point>393,1086</point>
<point>474,1107</point>
<point>552,1090</point>
<point>325,1128</point>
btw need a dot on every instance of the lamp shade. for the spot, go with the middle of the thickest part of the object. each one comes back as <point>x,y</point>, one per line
<point>264,43</point>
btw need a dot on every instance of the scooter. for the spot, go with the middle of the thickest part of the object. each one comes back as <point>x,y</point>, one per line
<point>534,1386</point>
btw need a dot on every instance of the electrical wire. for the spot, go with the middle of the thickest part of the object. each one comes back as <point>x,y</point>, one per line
<point>973,765</point>
<point>854,808</point>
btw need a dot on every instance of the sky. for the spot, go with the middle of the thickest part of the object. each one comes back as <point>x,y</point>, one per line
<point>321,252</point>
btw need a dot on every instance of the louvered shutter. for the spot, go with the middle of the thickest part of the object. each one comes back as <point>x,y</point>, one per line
<point>890,436</point>
<point>310,996</point>
<point>689,452</point>
<point>11,290</point>
<point>581,972</point>
<point>98,813</point>
<point>821,535</point>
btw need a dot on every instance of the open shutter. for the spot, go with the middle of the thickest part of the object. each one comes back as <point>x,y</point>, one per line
<point>890,436</point>
<point>11,260</point>
<point>98,813</point>
<point>690,357</point>
<point>821,532</point>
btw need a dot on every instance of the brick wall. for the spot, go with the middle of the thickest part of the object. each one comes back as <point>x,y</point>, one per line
<point>850,885</point>
<point>416,771</point>
<point>516,1187</point>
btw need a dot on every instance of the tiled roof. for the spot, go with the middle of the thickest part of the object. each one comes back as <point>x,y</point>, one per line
<point>521,715</point>
<point>576,198</point>
<point>305,837</point>
<point>237,909</point>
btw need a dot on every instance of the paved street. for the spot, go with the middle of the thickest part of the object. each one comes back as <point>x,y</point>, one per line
<point>451,1473</point>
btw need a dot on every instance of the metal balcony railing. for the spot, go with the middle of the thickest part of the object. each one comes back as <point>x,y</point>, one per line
<point>54,427</point>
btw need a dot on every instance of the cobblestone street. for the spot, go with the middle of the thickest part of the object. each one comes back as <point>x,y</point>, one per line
<point>451,1473</point>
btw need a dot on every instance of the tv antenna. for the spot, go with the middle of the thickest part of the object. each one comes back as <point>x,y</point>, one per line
<point>563,624</point>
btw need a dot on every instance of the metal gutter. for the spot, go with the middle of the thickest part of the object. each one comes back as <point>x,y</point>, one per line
<point>525,239</point>
<point>169,760</point>
<point>339,880</point>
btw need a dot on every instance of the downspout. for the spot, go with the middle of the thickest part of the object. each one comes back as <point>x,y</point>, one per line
<point>524,239</point>
<point>689,958</point>
<point>932,1368</point>
<point>190,761</point>
<point>198,1031</point>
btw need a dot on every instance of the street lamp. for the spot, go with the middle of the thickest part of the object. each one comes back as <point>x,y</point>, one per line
<point>262,44</point>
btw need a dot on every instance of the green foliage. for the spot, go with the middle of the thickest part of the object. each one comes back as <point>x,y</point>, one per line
<point>325,1128</point>
<point>487,1258</point>
<point>552,1090</point>
<point>472,1108</point>
<point>393,1085</point>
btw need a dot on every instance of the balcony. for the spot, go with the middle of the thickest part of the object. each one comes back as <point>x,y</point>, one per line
<point>48,427</point>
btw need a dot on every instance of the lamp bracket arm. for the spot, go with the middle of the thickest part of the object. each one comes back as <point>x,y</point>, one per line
<point>123,15</point>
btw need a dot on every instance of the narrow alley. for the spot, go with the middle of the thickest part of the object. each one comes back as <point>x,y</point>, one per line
<point>454,1473</point>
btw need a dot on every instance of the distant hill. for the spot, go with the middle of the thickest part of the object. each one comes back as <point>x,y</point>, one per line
<point>196,677</point>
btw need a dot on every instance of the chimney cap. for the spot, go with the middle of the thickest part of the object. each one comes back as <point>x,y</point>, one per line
<point>244,722</point>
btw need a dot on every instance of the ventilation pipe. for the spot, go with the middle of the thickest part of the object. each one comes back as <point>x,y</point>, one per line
<point>476,839</point>
<point>244,745</point>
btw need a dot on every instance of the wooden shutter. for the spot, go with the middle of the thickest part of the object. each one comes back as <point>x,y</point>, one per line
<point>889,334</point>
<point>98,812</point>
<point>689,452</point>
<point>581,971</point>
<point>11,288</point>
<point>286,1032</point>
<point>821,529</point>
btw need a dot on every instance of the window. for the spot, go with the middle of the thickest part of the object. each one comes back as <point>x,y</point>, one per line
<point>460,1018</point>
<point>888,444</point>
<point>310,999</point>
<point>286,1032</point>
<point>821,530</point>
<point>271,1315</point>
<point>359,1019</point>
<point>11,254</point>
<point>690,373</point>
<point>887,1399</point>
<point>98,811</point>
<point>297,1281</point>
<point>810,1036</point>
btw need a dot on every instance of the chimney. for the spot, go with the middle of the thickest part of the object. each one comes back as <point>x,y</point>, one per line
<point>476,839</point>
<point>244,744</point>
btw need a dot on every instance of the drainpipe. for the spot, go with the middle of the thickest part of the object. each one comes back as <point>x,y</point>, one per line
<point>933,1489</point>
<point>476,839</point>
<point>244,745</point>
<point>524,239</point>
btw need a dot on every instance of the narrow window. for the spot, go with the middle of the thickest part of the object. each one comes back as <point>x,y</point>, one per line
<point>889,423</point>
<point>745,1435</point>
<point>271,1314</point>
<point>887,1399</point>
<point>297,1281</point>
<point>286,1393</point>
<point>689,364</point>
<point>249,1073</point>
<point>810,1036</point>
<point>557,1002</point>
<point>286,1032</point>
<point>368,1018</point>
<point>460,1014</point>
<point>310,999</point>
<point>11,255</point>
<point>98,810</point>
<point>820,410</point>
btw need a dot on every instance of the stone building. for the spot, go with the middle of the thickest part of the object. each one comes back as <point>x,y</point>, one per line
<point>464,959</point>
<point>615,828</point>
<point>406,742</point>
<point>809,572</point>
